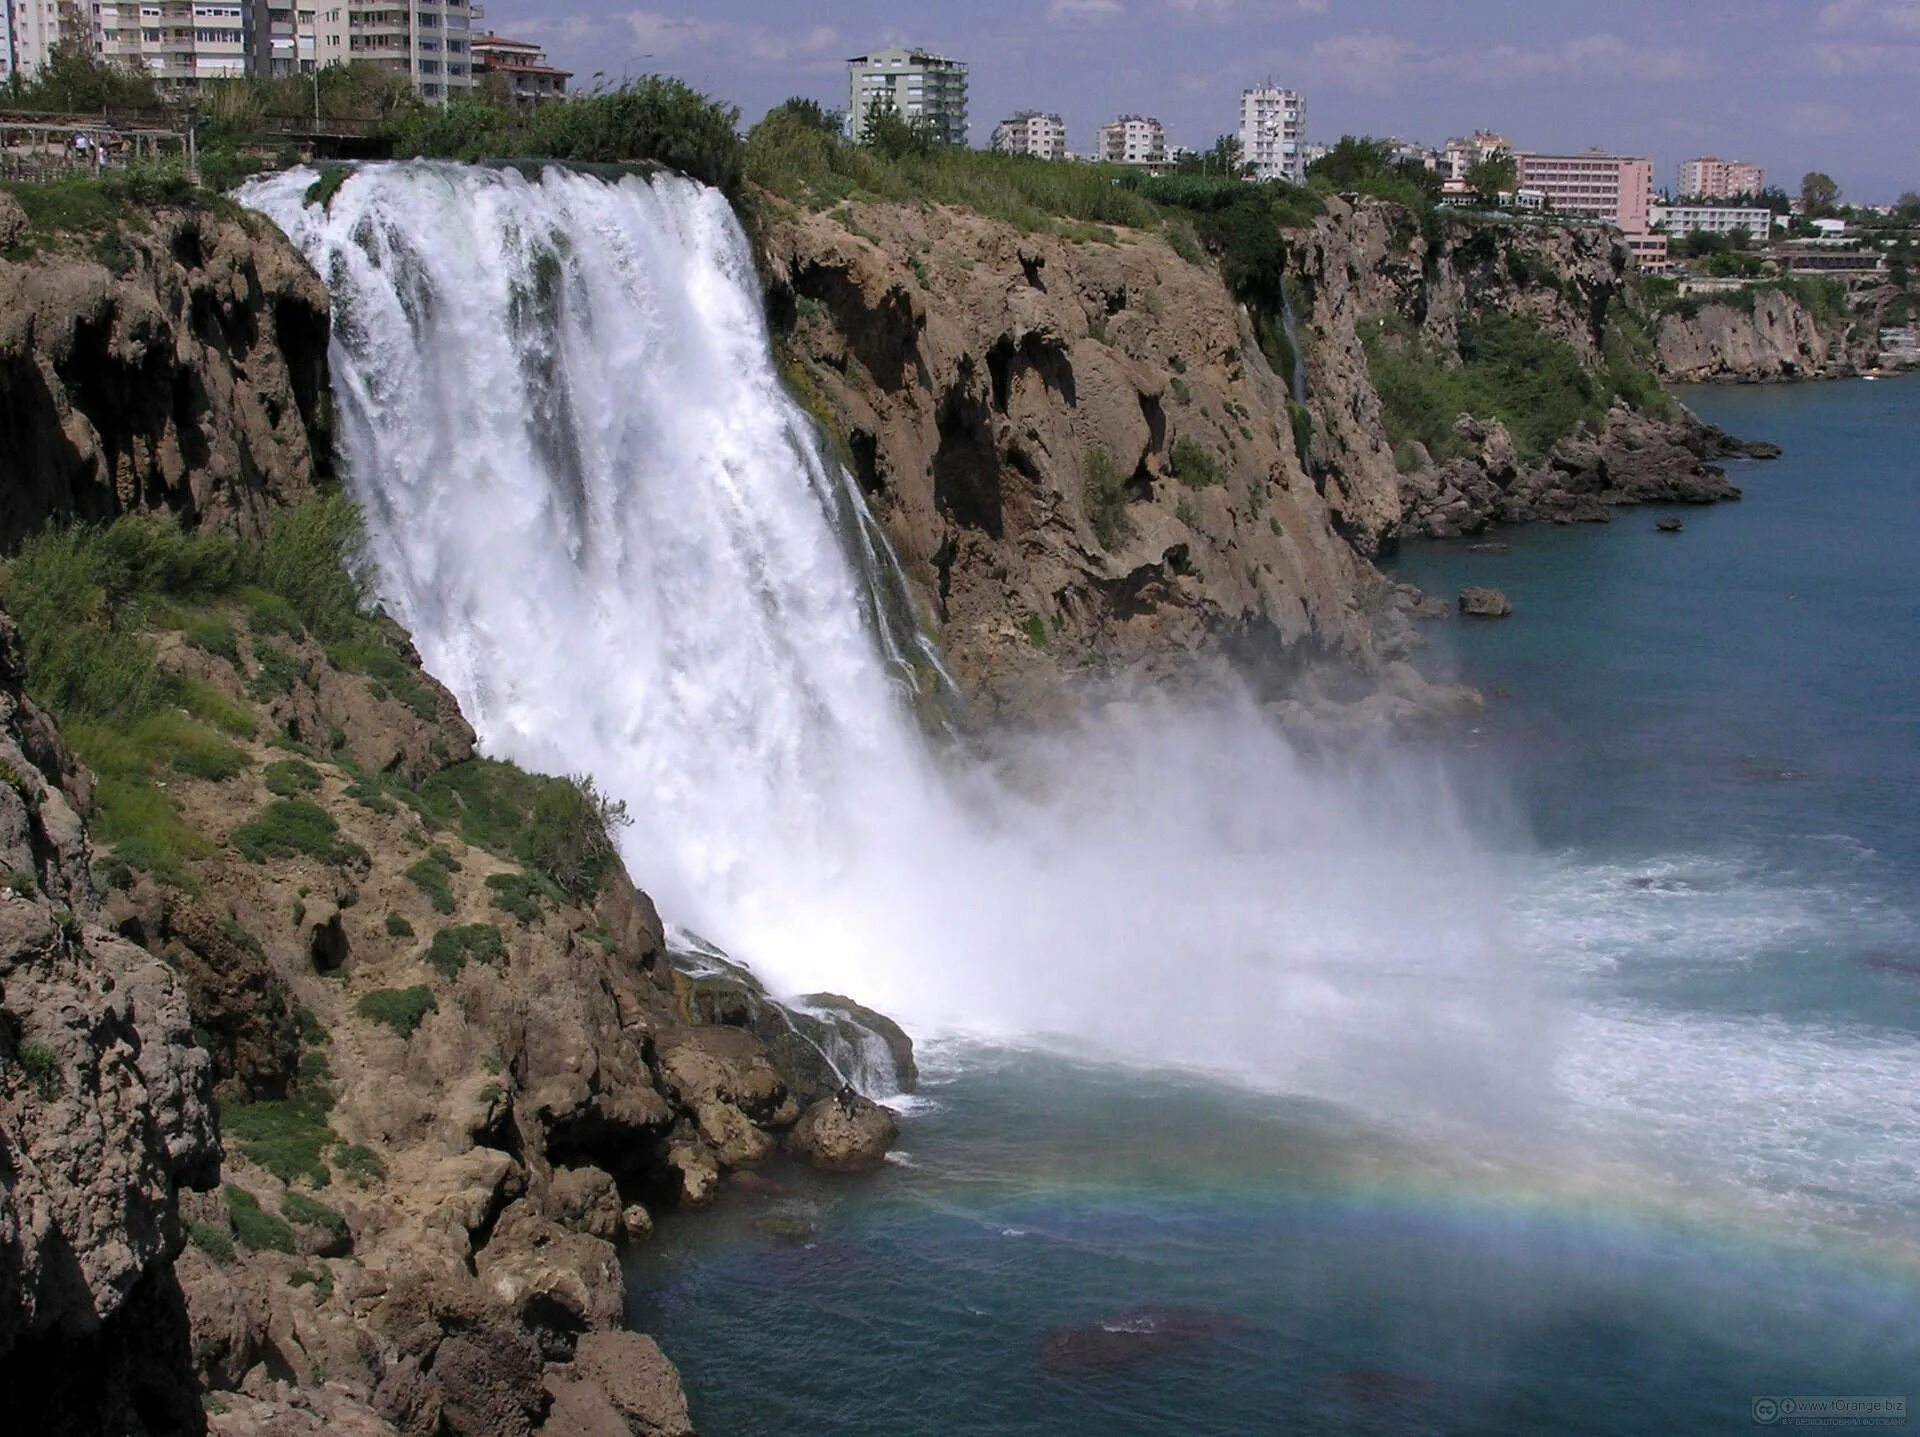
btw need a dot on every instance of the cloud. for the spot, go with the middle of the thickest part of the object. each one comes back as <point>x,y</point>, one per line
<point>1228,9</point>
<point>1084,12</point>
<point>1372,63</point>
<point>1857,59</point>
<point>1900,17</point>
<point>664,36</point>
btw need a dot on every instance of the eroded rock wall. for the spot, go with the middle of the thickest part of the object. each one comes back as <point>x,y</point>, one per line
<point>190,380</point>
<point>1774,337</point>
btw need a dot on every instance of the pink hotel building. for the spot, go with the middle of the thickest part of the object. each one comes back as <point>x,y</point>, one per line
<point>1615,188</point>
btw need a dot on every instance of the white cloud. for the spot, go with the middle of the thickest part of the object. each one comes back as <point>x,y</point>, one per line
<point>1081,12</point>
<point>1898,16</point>
<point>1814,118</point>
<point>1225,9</point>
<point>664,36</point>
<point>1372,63</point>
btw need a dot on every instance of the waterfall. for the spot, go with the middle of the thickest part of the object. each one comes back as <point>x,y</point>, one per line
<point>1290,326</point>
<point>619,542</point>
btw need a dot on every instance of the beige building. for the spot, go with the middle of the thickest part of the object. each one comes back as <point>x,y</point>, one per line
<point>428,43</point>
<point>34,29</point>
<point>522,65</point>
<point>1133,140</point>
<point>1032,133</point>
<point>286,38</point>
<point>1273,133</point>
<point>178,42</point>
<point>1710,178</point>
<point>923,88</point>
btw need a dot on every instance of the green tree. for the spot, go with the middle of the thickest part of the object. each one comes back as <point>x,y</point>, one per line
<point>888,132</point>
<point>1907,207</point>
<point>1740,237</point>
<point>810,114</point>
<point>1819,193</point>
<point>1493,175</point>
<point>1353,160</point>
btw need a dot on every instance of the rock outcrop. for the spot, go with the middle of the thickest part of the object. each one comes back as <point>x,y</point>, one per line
<point>1084,460</point>
<point>1768,335</point>
<point>106,1113</point>
<point>178,362</point>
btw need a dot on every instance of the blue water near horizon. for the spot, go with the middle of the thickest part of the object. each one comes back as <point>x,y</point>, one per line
<point>1702,749</point>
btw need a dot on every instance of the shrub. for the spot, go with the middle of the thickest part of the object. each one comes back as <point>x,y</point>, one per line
<point>401,1009</point>
<point>289,777</point>
<point>358,1165</point>
<point>237,935</point>
<point>212,635</point>
<point>308,561</point>
<point>295,827</point>
<point>453,947</point>
<point>277,673</point>
<point>1103,493</point>
<point>254,1227</point>
<point>22,884</point>
<point>570,835</point>
<point>1036,631</point>
<point>303,1211</point>
<point>431,879</point>
<point>559,827</point>
<point>518,895</point>
<point>398,927</point>
<point>215,1242</point>
<point>1194,465</point>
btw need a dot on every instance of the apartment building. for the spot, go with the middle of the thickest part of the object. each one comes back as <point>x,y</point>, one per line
<point>1133,140</point>
<point>35,29</point>
<point>427,41</point>
<point>1679,220</point>
<point>1461,155</point>
<point>926,89</point>
<point>1031,133</point>
<point>177,42</point>
<point>1710,178</point>
<point>1614,188</point>
<point>1273,133</point>
<point>286,38</point>
<point>522,65</point>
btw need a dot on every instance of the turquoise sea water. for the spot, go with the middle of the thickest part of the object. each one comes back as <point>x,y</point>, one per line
<point>1698,777</point>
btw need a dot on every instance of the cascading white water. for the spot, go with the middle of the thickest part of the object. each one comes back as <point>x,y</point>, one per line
<point>613,535</point>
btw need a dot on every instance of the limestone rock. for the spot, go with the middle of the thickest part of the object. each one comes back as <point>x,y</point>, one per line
<point>1483,603</point>
<point>845,1135</point>
<point>549,1276</point>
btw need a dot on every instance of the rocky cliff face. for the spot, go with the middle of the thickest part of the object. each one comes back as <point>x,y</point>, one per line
<point>189,376</point>
<point>1365,268</point>
<point>106,1113</point>
<point>1773,337</point>
<point>1078,449</point>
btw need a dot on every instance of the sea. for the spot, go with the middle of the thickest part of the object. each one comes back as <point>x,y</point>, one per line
<point>1692,1203</point>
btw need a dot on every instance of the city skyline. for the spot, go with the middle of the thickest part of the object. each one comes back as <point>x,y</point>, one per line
<point>1793,85</point>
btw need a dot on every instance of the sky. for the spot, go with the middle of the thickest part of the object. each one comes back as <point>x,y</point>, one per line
<point>1793,85</point>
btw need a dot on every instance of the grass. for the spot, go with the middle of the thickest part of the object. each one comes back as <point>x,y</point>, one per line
<point>561,828</point>
<point>303,1211</point>
<point>430,877</point>
<point>453,948</point>
<point>290,777</point>
<point>235,933</point>
<point>401,1009</point>
<point>1194,465</point>
<point>287,1136</point>
<point>215,1242</point>
<point>254,1228</point>
<point>41,1068</point>
<point>1103,494</point>
<point>295,828</point>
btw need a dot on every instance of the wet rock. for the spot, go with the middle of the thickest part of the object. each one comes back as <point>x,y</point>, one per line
<point>638,1381</point>
<point>847,1136</point>
<point>1489,548</point>
<point>1132,1336</point>
<point>1669,526</point>
<point>1483,603</point>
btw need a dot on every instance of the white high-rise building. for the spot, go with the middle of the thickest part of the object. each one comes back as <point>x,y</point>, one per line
<point>1133,140</point>
<point>286,38</point>
<point>428,41</point>
<point>177,42</point>
<point>923,88</point>
<point>1273,133</point>
<point>35,29</point>
<point>1032,133</point>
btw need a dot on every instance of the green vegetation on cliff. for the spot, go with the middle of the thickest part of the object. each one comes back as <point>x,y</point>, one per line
<point>1509,368</point>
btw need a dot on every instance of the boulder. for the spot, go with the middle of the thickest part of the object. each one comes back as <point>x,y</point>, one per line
<point>555,1281</point>
<point>637,1380</point>
<point>1483,603</point>
<point>844,1135</point>
<point>1669,526</point>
